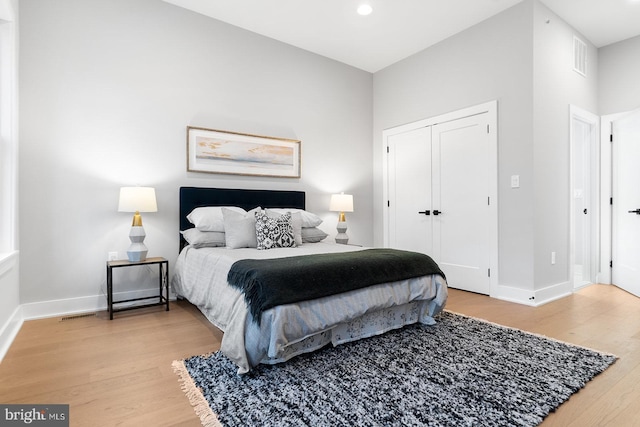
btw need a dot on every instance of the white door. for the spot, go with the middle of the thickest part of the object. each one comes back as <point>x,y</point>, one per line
<point>461,203</point>
<point>626,203</point>
<point>409,187</point>
<point>584,214</point>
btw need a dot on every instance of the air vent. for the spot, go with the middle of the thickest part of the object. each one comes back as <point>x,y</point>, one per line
<point>579,56</point>
<point>77,316</point>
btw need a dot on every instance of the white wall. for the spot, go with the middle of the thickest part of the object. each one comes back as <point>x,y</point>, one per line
<point>619,77</point>
<point>492,60</point>
<point>555,87</point>
<point>107,90</point>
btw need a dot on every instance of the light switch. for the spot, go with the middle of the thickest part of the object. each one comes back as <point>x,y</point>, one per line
<point>515,181</point>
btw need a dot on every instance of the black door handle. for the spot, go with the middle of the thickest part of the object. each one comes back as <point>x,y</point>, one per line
<point>425,212</point>
<point>437,212</point>
<point>637,212</point>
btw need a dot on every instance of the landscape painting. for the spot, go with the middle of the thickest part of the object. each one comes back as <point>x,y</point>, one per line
<point>215,151</point>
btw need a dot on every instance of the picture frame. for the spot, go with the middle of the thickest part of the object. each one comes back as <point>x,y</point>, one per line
<point>234,153</point>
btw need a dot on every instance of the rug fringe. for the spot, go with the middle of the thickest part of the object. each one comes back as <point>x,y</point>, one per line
<point>200,405</point>
<point>604,353</point>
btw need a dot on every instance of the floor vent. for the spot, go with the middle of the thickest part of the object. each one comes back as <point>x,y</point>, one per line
<point>579,56</point>
<point>77,316</point>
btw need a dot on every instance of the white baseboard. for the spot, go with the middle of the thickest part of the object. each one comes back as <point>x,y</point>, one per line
<point>10,330</point>
<point>70,306</point>
<point>513,294</point>
<point>534,298</point>
<point>553,292</point>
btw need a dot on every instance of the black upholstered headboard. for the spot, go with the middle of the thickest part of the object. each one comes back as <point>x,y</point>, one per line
<point>193,197</point>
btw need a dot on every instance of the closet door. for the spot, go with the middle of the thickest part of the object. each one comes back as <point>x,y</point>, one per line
<point>409,187</point>
<point>461,182</point>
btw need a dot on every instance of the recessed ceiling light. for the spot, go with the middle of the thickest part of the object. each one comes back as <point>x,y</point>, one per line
<point>365,9</point>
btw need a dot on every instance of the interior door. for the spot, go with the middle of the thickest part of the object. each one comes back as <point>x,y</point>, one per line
<point>584,176</point>
<point>626,203</point>
<point>409,186</point>
<point>461,215</point>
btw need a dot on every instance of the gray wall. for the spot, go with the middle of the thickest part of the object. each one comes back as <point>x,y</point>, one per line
<point>526,64</point>
<point>619,82</point>
<point>107,90</point>
<point>555,87</point>
<point>492,60</point>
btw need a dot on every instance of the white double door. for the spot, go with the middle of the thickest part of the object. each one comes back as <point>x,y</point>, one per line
<point>441,180</point>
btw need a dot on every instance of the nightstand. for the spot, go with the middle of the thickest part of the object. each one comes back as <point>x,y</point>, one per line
<point>163,285</point>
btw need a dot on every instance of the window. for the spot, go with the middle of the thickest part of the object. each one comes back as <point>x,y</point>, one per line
<point>8,130</point>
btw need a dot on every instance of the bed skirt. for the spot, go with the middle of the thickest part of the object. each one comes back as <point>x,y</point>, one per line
<point>365,326</point>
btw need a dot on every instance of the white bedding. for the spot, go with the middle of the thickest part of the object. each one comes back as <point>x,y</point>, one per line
<point>286,330</point>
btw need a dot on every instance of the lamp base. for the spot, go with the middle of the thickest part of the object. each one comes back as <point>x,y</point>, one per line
<point>137,251</point>
<point>342,237</point>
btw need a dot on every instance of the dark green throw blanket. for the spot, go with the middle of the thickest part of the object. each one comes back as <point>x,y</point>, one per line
<point>267,283</point>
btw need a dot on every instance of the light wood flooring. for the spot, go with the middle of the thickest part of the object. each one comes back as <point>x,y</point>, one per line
<point>119,372</point>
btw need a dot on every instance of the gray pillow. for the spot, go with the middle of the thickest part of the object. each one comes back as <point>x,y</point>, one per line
<point>312,235</point>
<point>239,229</point>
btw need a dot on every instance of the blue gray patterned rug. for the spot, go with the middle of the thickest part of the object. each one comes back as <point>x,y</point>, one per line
<point>459,372</point>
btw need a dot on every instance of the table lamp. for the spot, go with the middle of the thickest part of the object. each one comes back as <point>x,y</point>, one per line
<point>137,199</point>
<point>341,203</point>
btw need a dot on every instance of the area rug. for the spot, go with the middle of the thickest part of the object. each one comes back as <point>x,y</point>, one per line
<point>459,372</point>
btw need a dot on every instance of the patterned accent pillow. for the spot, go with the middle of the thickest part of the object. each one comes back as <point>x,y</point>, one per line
<point>274,232</point>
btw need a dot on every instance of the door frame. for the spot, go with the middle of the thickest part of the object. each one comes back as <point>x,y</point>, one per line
<point>576,113</point>
<point>606,193</point>
<point>491,108</point>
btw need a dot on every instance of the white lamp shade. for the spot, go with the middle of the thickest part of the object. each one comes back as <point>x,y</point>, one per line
<point>140,199</point>
<point>341,203</point>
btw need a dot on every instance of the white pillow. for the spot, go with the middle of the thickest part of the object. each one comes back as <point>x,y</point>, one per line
<point>203,239</point>
<point>209,218</point>
<point>296,222</point>
<point>240,228</point>
<point>308,219</point>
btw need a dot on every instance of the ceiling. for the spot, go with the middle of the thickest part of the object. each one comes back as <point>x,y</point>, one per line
<point>399,28</point>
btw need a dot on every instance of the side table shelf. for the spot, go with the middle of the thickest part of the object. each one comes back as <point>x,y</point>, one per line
<point>163,285</point>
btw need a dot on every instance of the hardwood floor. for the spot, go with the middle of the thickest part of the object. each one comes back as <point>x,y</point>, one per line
<point>600,317</point>
<point>119,372</point>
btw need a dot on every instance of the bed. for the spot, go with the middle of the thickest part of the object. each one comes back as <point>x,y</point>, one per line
<point>276,333</point>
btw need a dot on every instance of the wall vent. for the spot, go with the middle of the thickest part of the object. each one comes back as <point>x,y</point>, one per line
<point>579,56</point>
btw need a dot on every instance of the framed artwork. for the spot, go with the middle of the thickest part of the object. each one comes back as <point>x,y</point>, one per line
<point>217,151</point>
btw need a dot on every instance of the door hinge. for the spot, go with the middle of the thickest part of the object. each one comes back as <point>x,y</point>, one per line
<point>388,203</point>
<point>489,272</point>
<point>611,200</point>
<point>488,201</point>
<point>611,138</point>
<point>487,128</point>
<point>387,149</point>
<point>610,264</point>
